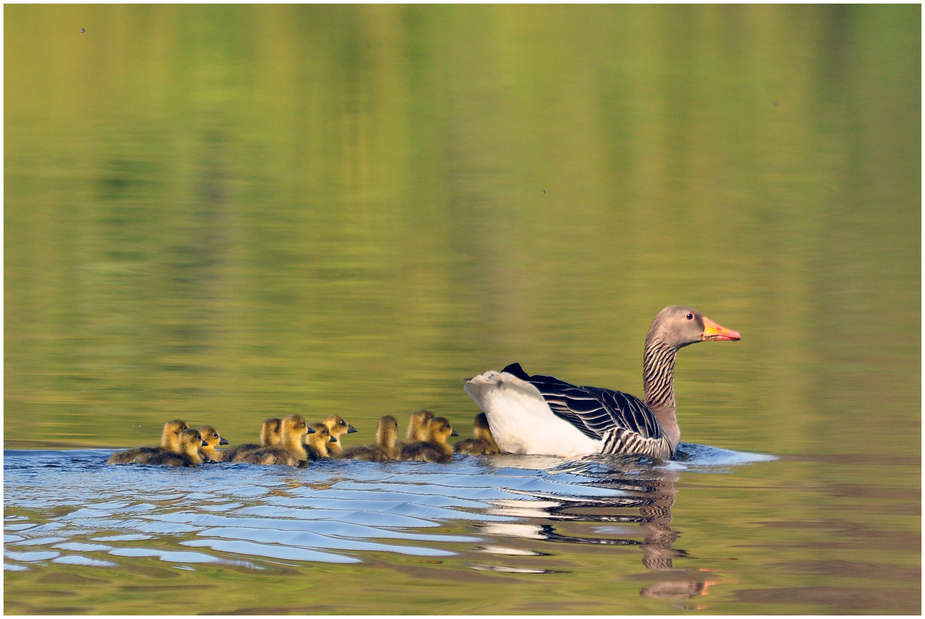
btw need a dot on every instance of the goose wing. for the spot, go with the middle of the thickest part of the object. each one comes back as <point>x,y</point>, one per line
<point>592,410</point>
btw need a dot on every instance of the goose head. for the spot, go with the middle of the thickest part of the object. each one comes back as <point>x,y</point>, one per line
<point>678,326</point>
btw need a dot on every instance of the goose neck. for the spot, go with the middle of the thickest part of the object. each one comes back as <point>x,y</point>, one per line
<point>658,385</point>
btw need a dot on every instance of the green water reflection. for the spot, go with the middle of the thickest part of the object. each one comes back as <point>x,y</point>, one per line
<point>225,213</point>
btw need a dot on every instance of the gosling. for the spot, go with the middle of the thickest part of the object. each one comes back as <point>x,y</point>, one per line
<point>319,443</point>
<point>482,443</point>
<point>435,448</point>
<point>417,426</point>
<point>291,450</point>
<point>269,437</point>
<point>386,447</point>
<point>337,427</point>
<point>210,451</point>
<point>170,442</point>
<point>190,444</point>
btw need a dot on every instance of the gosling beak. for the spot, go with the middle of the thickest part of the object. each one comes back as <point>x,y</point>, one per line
<point>205,444</point>
<point>333,439</point>
<point>224,441</point>
<point>715,332</point>
<point>351,429</point>
<point>311,430</point>
<point>454,433</point>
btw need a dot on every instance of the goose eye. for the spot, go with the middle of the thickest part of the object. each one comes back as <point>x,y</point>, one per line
<point>689,316</point>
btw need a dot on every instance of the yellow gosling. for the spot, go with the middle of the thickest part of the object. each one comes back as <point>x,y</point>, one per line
<point>170,442</point>
<point>269,437</point>
<point>320,442</point>
<point>417,426</point>
<point>291,450</point>
<point>435,448</point>
<point>190,444</point>
<point>482,442</point>
<point>337,427</point>
<point>210,451</point>
<point>386,447</point>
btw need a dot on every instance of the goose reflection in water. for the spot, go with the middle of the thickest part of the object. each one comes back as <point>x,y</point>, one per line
<point>648,497</point>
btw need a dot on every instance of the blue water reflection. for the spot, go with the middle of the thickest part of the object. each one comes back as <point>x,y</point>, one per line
<point>70,508</point>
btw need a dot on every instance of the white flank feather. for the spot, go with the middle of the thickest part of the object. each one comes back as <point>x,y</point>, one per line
<point>522,422</point>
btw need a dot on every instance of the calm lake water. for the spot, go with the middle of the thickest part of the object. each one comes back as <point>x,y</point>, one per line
<point>227,213</point>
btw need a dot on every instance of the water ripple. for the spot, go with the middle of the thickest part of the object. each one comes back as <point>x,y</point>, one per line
<point>333,512</point>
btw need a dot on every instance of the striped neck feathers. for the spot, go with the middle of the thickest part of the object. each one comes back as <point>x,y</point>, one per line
<point>658,385</point>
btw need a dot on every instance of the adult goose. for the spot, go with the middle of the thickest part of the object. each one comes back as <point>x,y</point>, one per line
<point>545,415</point>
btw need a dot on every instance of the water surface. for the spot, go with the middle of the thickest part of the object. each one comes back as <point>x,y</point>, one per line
<point>521,522</point>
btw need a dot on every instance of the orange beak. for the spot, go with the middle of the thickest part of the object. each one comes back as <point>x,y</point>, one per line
<point>714,332</point>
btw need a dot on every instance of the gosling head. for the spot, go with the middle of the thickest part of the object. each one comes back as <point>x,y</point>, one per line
<point>417,425</point>
<point>440,430</point>
<point>387,431</point>
<point>190,442</point>
<point>482,432</point>
<point>320,439</point>
<point>170,437</point>
<point>481,428</point>
<point>212,438</point>
<point>337,425</point>
<point>293,430</point>
<point>269,432</point>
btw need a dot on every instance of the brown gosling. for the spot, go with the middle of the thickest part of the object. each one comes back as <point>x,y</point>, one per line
<point>435,448</point>
<point>386,447</point>
<point>210,451</point>
<point>190,443</point>
<point>482,442</point>
<point>337,427</point>
<point>269,437</point>
<point>170,442</point>
<point>319,443</point>
<point>417,426</point>
<point>291,450</point>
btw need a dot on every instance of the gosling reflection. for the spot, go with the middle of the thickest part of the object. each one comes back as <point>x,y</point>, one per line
<point>647,496</point>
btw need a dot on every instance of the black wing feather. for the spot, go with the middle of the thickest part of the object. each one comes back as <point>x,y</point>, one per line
<point>592,410</point>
